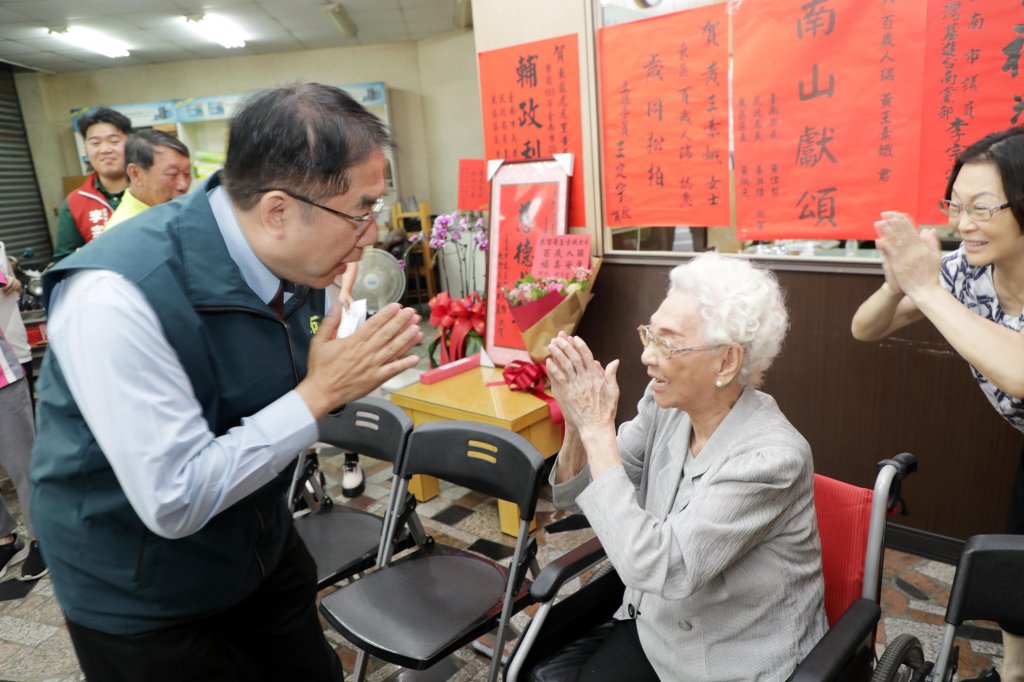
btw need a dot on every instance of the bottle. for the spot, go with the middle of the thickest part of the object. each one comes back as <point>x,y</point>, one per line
<point>851,248</point>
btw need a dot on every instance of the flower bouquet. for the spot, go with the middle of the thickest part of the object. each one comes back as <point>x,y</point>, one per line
<point>542,307</point>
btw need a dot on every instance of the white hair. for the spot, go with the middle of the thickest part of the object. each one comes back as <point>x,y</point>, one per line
<point>738,304</point>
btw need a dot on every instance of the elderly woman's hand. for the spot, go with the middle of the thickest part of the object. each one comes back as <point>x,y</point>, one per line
<point>911,259</point>
<point>587,393</point>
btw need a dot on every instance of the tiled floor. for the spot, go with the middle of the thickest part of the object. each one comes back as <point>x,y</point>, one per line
<point>34,644</point>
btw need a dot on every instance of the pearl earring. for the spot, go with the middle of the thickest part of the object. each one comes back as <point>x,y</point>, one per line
<point>718,384</point>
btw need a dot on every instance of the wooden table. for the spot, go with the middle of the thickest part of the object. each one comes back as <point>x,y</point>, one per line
<point>467,396</point>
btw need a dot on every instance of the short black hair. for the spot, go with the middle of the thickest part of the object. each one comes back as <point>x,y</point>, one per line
<point>104,115</point>
<point>139,148</point>
<point>1005,150</point>
<point>303,137</point>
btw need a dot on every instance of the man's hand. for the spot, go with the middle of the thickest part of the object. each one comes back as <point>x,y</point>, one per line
<point>343,370</point>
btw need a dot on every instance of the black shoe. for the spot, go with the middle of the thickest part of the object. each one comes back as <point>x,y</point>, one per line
<point>34,567</point>
<point>989,675</point>
<point>11,554</point>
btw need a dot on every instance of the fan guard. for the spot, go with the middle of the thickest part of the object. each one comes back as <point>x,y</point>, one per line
<point>380,280</point>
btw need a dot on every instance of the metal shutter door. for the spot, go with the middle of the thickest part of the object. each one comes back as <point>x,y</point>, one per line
<point>22,220</point>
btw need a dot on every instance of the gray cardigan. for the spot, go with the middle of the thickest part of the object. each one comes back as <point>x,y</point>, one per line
<point>723,564</point>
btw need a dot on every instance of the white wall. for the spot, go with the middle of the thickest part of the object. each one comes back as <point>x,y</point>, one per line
<point>46,102</point>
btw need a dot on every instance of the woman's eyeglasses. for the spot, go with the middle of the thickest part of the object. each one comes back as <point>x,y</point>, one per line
<point>648,337</point>
<point>979,212</point>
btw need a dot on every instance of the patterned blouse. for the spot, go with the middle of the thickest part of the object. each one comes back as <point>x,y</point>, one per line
<point>975,288</point>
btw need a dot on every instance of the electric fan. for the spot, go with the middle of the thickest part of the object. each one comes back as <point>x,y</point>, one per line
<point>380,280</point>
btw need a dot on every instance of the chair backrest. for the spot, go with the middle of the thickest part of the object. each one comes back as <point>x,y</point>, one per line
<point>478,456</point>
<point>988,583</point>
<point>370,426</point>
<point>844,519</point>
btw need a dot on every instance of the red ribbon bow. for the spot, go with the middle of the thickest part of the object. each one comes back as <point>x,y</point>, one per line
<point>530,376</point>
<point>454,320</point>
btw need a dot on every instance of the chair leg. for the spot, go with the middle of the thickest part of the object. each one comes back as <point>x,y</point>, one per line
<point>362,661</point>
<point>488,651</point>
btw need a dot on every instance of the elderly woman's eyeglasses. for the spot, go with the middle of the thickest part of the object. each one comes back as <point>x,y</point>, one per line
<point>647,337</point>
<point>361,221</point>
<point>979,212</point>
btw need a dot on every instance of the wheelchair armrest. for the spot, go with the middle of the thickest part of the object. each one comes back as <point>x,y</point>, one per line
<point>565,568</point>
<point>835,650</point>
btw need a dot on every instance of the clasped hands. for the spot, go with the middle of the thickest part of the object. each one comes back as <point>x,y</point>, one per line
<point>342,370</point>
<point>910,259</point>
<point>588,395</point>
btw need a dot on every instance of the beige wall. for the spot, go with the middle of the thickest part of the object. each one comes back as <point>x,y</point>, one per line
<point>451,113</point>
<point>423,79</point>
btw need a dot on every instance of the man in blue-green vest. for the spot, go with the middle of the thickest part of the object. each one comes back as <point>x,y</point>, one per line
<point>189,363</point>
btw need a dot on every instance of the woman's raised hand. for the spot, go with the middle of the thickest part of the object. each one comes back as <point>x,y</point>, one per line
<point>587,393</point>
<point>910,259</point>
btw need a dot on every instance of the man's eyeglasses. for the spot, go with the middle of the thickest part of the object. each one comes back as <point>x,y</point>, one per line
<point>647,337</point>
<point>362,221</point>
<point>979,212</point>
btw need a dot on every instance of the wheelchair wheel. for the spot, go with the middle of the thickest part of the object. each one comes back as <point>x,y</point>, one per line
<point>902,661</point>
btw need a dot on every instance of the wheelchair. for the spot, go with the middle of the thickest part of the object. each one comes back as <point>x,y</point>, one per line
<point>987,586</point>
<point>851,523</point>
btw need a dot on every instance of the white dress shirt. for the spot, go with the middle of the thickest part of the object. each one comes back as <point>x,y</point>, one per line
<point>139,403</point>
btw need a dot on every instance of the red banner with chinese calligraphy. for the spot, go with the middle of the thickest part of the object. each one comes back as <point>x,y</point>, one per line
<point>973,86</point>
<point>473,189</point>
<point>826,104</point>
<point>664,100</point>
<point>531,107</point>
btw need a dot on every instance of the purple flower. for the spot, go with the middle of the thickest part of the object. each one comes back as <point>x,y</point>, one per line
<point>443,222</point>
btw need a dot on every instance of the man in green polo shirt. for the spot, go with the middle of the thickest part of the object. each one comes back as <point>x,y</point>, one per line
<point>158,170</point>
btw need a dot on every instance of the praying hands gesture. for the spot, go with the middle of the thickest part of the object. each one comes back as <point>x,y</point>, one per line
<point>589,397</point>
<point>910,259</point>
<point>343,370</point>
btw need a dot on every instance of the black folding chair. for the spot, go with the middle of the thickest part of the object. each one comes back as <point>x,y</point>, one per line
<point>345,541</point>
<point>989,585</point>
<point>420,608</point>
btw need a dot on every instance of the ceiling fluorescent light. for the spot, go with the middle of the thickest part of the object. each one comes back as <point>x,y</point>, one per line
<point>217,29</point>
<point>94,41</point>
<point>339,15</point>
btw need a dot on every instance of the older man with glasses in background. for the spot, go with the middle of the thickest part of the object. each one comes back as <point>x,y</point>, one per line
<point>185,375</point>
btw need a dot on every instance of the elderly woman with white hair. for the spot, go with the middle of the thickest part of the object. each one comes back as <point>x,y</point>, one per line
<point>704,501</point>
